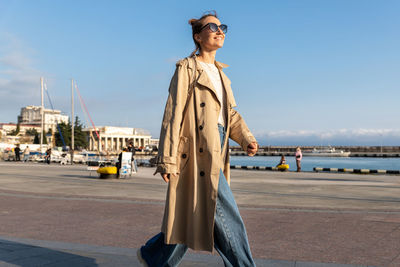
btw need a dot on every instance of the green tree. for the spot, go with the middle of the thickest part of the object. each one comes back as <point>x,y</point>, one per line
<point>80,139</point>
<point>16,131</point>
<point>36,140</point>
<point>31,132</point>
<point>44,138</point>
<point>65,129</point>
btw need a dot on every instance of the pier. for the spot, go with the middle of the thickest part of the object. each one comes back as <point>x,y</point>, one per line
<point>356,151</point>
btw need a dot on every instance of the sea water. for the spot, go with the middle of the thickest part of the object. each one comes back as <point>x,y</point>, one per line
<point>308,163</point>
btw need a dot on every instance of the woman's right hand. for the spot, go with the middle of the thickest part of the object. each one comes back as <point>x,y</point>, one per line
<point>165,176</point>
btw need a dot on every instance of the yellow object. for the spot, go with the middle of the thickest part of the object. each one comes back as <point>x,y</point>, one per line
<point>283,167</point>
<point>107,170</point>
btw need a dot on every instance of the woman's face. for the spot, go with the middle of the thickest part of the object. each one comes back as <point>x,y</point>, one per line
<point>208,40</point>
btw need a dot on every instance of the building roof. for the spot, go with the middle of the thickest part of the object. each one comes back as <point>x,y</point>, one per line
<point>119,130</point>
<point>15,124</point>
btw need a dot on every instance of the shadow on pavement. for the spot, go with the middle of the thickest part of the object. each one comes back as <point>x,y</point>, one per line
<point>24,255</point>
<point>94,176</point>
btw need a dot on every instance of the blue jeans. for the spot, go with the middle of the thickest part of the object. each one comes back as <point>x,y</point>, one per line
<point>230,237</point>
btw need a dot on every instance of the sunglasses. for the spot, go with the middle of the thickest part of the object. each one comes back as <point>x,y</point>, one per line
<point>214,27</point>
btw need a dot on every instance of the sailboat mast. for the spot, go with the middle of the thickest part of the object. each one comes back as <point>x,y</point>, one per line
<point>72,121</point>
<point>42,115</point>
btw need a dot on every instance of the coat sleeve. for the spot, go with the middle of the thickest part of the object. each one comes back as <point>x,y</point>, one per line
<point>171,124</point>
<point>239,132</point>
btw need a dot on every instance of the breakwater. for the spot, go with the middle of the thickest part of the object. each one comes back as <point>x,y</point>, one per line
<point>272,154</point>
<point>308,163</point>
<point>356,151</point>
<point>319,169</point>
<point>359,171</point>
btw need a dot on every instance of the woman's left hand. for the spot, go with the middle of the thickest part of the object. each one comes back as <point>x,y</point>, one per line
<point>252,149</point>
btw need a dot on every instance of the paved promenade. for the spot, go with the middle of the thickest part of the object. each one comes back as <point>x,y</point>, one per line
<point>52,215</point>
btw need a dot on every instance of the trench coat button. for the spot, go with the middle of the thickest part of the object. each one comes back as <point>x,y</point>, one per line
<point>202,173</point>
<point>184,156</point>
<point>202,104</point>
<point>201,127</point>
<point>201,150</point>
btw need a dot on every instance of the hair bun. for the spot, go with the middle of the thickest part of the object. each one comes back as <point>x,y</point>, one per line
<point>192,21</point>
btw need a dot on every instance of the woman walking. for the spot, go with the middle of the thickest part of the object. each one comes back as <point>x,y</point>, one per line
<point>26,154</point>
<point>193,158</point>
<point>299,156</point>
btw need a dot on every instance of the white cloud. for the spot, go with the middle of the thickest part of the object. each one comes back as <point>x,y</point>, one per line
<point>330,133</point>
<point>19,80</point>
<point>336,136</point>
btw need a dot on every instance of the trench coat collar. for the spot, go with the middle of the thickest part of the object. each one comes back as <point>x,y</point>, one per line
<point>204,80</point>
<point>219,65</point>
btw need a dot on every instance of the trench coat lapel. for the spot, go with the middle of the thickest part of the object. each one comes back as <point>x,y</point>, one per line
<point>230,102</point>
<point>228,94</point>
<point>204,80</point>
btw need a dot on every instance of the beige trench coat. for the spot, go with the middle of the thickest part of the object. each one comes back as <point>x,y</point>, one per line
<point>190,150</point>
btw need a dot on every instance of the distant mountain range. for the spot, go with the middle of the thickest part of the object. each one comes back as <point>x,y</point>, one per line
<point>359,137</point>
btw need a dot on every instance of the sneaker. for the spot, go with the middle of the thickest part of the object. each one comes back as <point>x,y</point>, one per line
<point>140,258</point>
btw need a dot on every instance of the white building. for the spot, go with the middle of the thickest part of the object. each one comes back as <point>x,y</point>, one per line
<point>116,138</point>
<point>7,128</point>
<point>6,136</point>
<point>32,115</point>
<point>154,142</point>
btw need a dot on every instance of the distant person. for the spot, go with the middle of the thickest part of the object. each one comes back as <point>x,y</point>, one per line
<point>48,156</point>
<point>282,161</point>
<point>26,153</point>
<point>193,158</point>
<point>119,163</point>
<point>299,156</point>
<point>131,148</point>
<point>108,156</point>
<point>17,150</point>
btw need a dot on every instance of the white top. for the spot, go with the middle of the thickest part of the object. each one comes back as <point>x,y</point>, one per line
<point>215,78</point>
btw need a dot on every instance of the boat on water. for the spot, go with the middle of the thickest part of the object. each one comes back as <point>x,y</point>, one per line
<point>326,152</point>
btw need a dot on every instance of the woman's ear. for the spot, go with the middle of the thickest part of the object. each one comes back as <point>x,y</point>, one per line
<point>197,37</point>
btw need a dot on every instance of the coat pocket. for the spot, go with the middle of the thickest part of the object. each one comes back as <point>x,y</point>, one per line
<point>183,153</point>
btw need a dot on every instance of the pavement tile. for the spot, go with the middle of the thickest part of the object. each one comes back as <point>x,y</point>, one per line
<point>386,250</point>
<point>395,262</point>
<point>313,264</point>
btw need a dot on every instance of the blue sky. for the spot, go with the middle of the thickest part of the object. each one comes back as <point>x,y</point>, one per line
<point>303,72</point>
